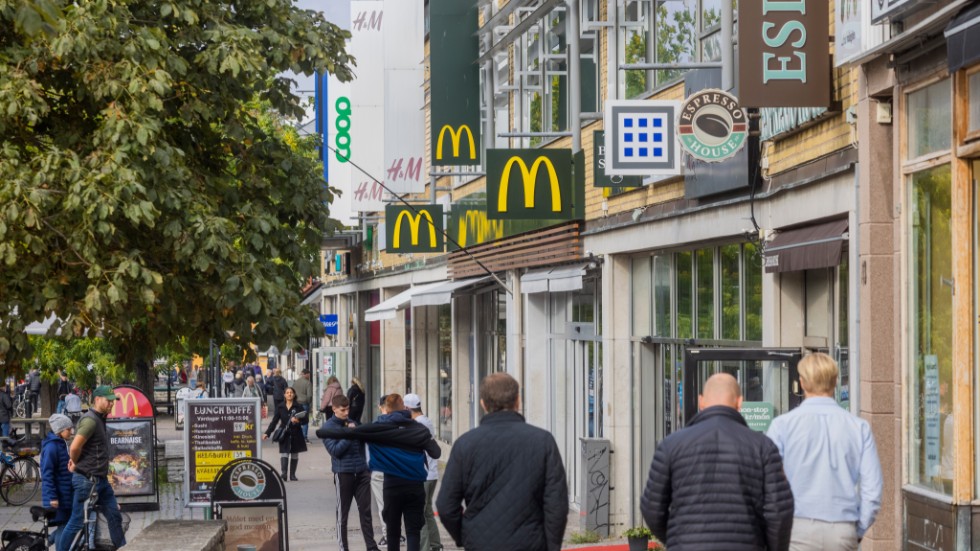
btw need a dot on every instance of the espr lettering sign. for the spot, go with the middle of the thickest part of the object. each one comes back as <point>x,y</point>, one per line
<point>784,53</point>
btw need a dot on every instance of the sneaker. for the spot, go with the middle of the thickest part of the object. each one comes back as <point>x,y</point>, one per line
<point>383,541</point>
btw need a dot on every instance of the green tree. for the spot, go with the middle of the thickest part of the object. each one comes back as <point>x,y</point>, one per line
<point>150,190</point>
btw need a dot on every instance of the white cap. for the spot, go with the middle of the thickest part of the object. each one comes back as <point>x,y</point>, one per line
<point>412,401</point>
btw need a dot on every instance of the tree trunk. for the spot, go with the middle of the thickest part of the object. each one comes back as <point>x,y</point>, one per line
<point>145,378</point>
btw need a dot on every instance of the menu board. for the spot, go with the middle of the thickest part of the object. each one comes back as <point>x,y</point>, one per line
<point>252,525</point>
<point>216,431</point>
<point>131,465</point>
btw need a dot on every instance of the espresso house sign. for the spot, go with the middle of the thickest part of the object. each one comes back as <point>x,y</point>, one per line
<point>784,53</point>
<point>712,126</point>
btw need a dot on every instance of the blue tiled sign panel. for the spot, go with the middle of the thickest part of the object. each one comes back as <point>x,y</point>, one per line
<point>640,138</point>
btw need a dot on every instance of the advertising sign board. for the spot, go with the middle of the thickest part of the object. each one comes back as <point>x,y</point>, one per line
<point>250,496</point>
<point>454,83</point>
<point>530,184</point>
<point>784,53</point>
<point>131,429</point>
<point>216,431</point>
<point>712,126</point>
<point>414,229</point>
<point>599,176</point>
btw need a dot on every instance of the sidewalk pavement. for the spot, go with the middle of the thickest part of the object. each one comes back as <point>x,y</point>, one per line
<point>310,505</point>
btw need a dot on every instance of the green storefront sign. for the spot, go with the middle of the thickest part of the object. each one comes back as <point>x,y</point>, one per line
<point>758,415</point>
<point>469,225</point>
<point>532,184</point>
<point>414,230</point>
<point>454,83</point>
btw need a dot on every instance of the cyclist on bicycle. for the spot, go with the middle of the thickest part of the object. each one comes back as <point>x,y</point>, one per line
<point>56,488</point>
<point>89,460</point>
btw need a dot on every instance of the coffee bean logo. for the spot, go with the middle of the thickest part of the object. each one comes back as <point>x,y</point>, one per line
<point>713,125</point>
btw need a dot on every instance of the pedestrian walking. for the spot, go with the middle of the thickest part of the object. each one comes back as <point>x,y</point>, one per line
<point>831,462</point>
<point>64,388</point>
<point>33,391</point>
<point>351,476</point>
<point>278,385</point>
<point>292,442</point>
<point>56,488</point>
<point>430,539</point>
<point>378,482</point>
<point>397,446</point>
<point>6,410</point>
<point>355,394</point>
<point>510,476</point>
<point>326,399</point>
<point>717,484</point>
<point>304,396</point>
<point>237,385</point>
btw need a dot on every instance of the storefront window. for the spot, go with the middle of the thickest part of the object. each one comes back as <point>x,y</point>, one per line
<point>931,304</point>
<point>685,295</point>
<point>731,296</point>
<point>974,86</point>
<point>445,427</point>
<point>929,116</point>
<point>706,293</point>
<point>752,268</point>
<point>661,295</point>
<point>641,295</point>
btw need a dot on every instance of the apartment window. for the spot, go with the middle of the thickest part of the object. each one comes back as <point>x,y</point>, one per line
<point>929,117</point>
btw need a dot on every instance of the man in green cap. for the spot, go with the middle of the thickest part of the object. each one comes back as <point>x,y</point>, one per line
<point>89,461</point>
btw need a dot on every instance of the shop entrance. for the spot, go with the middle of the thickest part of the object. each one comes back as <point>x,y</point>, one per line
<point>768,376</point>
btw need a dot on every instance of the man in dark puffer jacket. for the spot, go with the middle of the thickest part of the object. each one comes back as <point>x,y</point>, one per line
<point>510,476</point>
<point>716,484</point>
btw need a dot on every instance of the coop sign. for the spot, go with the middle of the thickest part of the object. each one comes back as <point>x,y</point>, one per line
<point>712,126</point>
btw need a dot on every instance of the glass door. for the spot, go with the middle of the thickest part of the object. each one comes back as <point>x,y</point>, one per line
<point>331,361</point>
<point>767,376</point>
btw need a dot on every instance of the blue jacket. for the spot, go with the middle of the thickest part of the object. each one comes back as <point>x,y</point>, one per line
<point>55,477</point>
<point>399,462</point>
<point>347,455</point>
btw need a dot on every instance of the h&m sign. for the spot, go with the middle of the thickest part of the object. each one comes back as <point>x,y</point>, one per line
<point>784,53</point>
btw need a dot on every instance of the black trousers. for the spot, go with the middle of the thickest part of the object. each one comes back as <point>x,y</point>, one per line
<point>356,487</point>
<point>404,499</point>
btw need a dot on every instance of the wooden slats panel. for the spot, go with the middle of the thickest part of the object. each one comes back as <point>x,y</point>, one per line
<point>538,248</point>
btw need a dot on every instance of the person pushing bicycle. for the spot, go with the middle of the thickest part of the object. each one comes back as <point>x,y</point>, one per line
<point>89,461</point>
<point>56,479</point>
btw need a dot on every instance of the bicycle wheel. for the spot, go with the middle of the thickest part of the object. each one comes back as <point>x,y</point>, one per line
<point>19,482</point>
<point>26,543</point>
<point>20,409</point>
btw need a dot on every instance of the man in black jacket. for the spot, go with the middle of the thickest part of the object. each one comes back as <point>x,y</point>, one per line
<point>510,477</point>
<point>716,484</point>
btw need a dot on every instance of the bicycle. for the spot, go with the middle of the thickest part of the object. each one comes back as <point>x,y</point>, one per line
<point>20,406</point>
<point>20,477</point>
<point>92,536</point>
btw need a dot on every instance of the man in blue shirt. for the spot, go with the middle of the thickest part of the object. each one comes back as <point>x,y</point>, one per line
<point>831,462</point>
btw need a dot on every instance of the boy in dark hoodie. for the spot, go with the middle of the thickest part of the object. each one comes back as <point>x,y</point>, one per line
<point>56,488</point>
<point>351,477</point>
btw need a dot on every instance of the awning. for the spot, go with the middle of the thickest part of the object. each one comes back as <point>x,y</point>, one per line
<point>554,280</point>
<point>443,293</point>
<point>807,248</point>
<point>963,39</point>
<point>387,309</point>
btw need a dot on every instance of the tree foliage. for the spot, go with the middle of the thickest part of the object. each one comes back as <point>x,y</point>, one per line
<point>150,190</point>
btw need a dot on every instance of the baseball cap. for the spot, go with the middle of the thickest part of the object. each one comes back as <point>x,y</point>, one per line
<point>59,423</point>
<point>104,391</point>
<point>412,401</point>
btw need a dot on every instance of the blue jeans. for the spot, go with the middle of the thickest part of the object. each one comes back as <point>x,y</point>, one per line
<point>107,504</point>
<point>5,429</point>
<point>61,406</point>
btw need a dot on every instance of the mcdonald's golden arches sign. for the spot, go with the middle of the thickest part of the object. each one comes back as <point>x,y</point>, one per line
<point>414,229</point>
<point>530,184</point>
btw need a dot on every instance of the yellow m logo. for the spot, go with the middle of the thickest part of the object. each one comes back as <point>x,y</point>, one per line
<point>530,183</point>
<point>413,226</point>
<point>455,136</point>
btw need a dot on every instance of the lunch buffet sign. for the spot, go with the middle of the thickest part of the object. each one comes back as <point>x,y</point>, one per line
<point>131,428</point>
<point>249,495</point>
<point>216,432</point>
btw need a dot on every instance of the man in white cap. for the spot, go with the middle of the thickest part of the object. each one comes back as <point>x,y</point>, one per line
<point>430,534</point>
